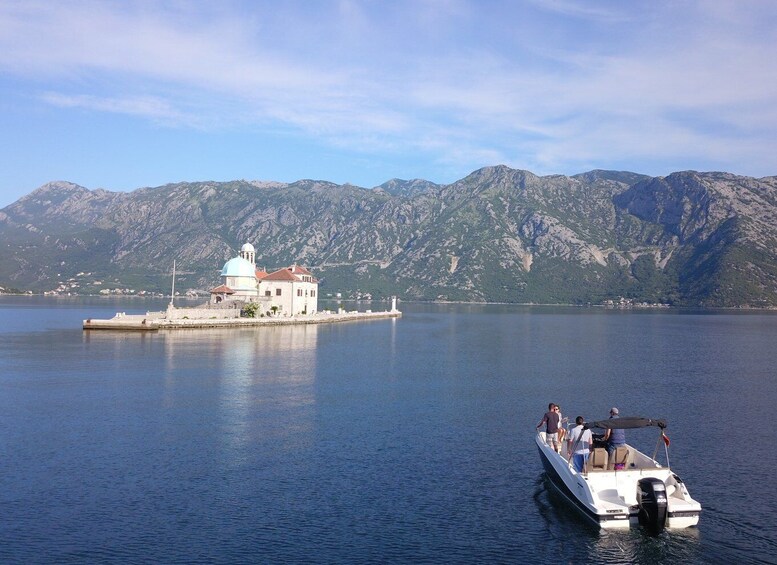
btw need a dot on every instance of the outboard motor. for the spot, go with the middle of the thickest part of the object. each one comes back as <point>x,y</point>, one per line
<point>651,497</point>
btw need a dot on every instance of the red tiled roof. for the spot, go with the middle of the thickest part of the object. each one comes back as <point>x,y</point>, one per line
<point>281,275</point>
<point>222,289</point>
<point>298,270</point>
<point>260,274</point>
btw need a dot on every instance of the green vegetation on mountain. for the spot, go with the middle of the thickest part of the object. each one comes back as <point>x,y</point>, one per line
<point>499,234</point>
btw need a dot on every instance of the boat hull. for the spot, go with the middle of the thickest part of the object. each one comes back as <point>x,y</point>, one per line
<point>571,486</point>
<point>608,498</point>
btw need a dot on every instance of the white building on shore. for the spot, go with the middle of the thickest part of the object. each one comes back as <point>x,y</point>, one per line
<point>287,292</point>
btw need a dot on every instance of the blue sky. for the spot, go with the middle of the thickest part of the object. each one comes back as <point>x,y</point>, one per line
<point>124,94</point>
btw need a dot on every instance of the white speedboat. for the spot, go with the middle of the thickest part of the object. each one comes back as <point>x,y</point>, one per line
<point>626,489</point>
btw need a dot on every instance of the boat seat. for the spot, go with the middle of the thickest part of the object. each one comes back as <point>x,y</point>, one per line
<point>597,461</point>
<point>620,458</point>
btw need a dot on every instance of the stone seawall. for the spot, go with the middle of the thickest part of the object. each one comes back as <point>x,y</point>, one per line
<point>321,318</point>
<point>201,313</point>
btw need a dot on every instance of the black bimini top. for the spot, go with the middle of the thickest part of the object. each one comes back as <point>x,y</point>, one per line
<point>625,423</point>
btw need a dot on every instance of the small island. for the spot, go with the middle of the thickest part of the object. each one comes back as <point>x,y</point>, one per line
<point>247,296</point>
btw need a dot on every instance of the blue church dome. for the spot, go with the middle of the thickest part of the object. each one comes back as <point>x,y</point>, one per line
<point>238,267</point>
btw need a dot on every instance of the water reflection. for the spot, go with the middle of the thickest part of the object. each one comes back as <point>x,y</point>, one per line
<point>264,378</point>
<point>253,385</point>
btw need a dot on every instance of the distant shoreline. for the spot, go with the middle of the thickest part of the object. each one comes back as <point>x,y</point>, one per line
<point>414,301</point>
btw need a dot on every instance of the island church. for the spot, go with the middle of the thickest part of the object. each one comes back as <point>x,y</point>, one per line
<point>286,292</point>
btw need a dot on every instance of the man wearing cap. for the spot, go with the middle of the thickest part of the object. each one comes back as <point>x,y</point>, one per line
<point>615,437</point>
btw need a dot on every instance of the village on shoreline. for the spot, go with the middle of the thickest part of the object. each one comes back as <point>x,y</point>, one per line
<point>619,303</point>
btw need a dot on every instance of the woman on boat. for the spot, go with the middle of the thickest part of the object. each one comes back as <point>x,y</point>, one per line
<point>562,425</point>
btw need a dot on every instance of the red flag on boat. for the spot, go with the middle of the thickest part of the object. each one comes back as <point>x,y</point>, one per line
<point>665,438</point>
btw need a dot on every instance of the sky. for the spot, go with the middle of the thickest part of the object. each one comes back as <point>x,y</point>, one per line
<point>127,94</point>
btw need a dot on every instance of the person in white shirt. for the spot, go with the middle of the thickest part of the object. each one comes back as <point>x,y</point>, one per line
<point>581,441</point>
<point>562,425</point>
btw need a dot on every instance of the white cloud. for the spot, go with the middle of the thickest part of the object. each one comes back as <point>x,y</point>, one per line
<point>459,81</point>
<point>584,10</point>
<point>147,106</point>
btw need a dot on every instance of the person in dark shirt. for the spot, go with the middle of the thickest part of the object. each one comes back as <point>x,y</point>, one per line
<point>551,420</point>
<point>615,437</point>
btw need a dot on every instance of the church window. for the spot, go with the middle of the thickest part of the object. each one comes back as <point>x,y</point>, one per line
<point>277,292</point>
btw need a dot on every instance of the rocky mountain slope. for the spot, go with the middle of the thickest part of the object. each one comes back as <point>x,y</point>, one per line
<point>497,235</point>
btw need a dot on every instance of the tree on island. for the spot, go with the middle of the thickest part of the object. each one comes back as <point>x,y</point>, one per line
<point>249,310</point>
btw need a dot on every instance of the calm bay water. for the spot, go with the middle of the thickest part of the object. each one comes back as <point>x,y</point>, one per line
<point>397,441</point>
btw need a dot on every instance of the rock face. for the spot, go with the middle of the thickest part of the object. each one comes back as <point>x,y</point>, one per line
<point>497,235</point>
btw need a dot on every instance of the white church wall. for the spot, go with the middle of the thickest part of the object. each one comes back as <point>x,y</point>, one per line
<point>202,313</point>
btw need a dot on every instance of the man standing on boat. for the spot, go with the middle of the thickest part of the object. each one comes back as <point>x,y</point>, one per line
<point>615,437</point>
<point>551,420</point>
<point>581,441</point>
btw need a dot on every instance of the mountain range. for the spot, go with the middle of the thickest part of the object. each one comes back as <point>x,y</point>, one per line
<point>497,235</point>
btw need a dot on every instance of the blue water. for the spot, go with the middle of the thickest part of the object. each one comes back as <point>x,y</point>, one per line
<point>397,441</point>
